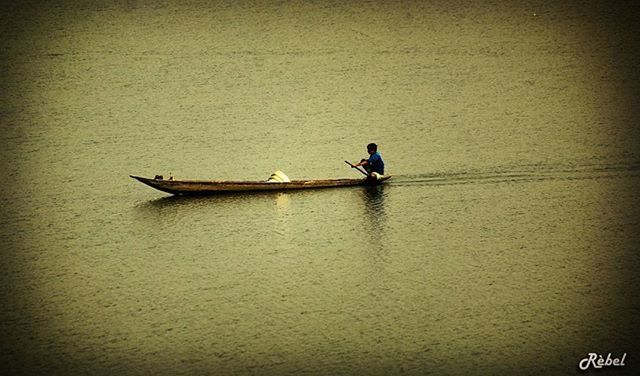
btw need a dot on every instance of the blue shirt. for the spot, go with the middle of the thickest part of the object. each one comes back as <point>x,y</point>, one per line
<point>376,163</point>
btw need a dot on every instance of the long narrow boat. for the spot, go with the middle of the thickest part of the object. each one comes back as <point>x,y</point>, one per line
<point>204,187</point>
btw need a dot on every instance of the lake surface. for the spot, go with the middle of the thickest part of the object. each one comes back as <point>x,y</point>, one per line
<point>505,243</point>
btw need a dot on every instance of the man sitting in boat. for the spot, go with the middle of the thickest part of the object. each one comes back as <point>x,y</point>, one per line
<point>374,165</point>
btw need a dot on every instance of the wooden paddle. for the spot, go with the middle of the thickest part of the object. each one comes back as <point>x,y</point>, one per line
<point>357,168</point>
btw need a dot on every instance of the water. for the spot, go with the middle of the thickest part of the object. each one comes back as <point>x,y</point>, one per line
<point>506,241</point>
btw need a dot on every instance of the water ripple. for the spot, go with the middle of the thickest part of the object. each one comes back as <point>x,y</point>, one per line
<point>520,174</point>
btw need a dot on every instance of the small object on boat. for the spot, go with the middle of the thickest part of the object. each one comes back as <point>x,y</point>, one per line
<point>205,187</point>
<point>170,176</point>
<point>158,177</point>
<point>278,177</point>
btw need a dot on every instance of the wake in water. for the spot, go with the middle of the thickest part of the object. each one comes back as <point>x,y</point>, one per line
<point>522,173</point>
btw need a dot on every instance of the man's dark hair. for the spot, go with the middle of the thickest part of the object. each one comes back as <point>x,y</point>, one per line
<point>372,146</point>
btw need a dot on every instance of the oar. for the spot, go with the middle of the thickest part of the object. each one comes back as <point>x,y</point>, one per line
<point>357,168</point>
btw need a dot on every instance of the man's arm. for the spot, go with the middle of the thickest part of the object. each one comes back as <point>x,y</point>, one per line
<point>363,162</point>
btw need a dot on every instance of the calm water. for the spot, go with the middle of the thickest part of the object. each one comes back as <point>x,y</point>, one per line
<point>506,243</point>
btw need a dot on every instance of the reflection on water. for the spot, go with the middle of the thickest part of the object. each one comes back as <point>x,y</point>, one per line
<point>232,198</point>
<point>373,198</point>
<point>282,202</point>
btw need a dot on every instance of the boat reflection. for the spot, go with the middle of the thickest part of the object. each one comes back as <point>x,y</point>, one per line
<point>167,212</point>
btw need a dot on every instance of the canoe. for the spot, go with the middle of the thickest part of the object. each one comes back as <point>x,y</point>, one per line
<point>204,187</point>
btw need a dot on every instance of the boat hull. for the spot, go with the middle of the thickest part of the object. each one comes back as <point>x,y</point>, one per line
<point>207,187</point>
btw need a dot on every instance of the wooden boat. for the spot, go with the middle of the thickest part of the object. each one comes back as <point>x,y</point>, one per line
<point>205,187</point>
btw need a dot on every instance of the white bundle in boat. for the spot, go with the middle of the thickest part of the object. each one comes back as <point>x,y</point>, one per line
<point>278,177</point>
